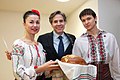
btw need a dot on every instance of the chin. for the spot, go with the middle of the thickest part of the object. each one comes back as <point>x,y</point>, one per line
<point>88,29</point>
<point>59,32</point>
<point>34,33</point>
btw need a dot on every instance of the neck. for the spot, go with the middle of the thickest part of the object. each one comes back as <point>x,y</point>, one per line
<point>94,32</point>
<point>60,33</point>
<point>29,39</point>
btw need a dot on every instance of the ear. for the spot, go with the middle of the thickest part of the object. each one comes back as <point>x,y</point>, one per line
<point>96,18</point>
<point>23,24</point>
<point>65,22</point>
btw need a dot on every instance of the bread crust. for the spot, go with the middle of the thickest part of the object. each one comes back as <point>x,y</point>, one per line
<point>73,59</point>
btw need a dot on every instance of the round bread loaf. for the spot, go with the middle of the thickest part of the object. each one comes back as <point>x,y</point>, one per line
<point>73,59</point>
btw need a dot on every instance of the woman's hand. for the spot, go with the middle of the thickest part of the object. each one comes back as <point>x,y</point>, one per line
<point>51,65</point>
<point>48,66</point>
<point>8,55</point>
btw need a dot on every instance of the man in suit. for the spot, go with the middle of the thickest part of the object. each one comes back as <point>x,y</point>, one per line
<point>50,40</point>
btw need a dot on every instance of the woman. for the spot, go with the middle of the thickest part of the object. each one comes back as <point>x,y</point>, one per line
<point>28,55</point>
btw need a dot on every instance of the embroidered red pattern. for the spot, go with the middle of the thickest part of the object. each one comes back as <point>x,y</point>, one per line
<point>94,43</point>
<point>37,50</point>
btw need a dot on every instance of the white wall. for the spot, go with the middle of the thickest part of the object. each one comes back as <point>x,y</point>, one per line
<point>74,25</point>
<point>109,14</point>
<point>10,29</point>
<point>45,25</point>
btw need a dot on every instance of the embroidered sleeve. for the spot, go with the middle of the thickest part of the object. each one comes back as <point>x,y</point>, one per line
<point>21,72</point>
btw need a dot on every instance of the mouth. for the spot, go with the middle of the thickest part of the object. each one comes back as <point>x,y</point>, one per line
<point>35,30</point>
<point>87,26</point>
<point>60,27</point>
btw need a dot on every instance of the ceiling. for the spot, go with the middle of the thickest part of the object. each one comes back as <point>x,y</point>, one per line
<point>44,6</point>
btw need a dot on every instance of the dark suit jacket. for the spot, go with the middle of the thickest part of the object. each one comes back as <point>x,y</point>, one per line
<point>47,41</point>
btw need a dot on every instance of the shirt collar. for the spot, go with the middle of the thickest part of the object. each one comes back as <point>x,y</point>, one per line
<point>100,32</point>
<point>55,35</point>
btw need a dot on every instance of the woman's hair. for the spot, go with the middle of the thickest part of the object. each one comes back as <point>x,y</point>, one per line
<point>54,14</point>
<point>32,12</point>
<point>87,11</point>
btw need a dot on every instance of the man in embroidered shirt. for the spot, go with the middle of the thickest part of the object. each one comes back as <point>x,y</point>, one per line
<point>98,47</point>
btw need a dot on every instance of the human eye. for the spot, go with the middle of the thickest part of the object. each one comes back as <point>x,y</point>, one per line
<point>55,21</point>
<point>31,22</point>
<point>83,20</point>
<point>61,21</point>
<point>38,22</point>
<point>89,18</point>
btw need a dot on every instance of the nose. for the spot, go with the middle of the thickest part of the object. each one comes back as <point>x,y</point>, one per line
<point>35,24</point>
<point>86,21</point>
<point>58,23</point>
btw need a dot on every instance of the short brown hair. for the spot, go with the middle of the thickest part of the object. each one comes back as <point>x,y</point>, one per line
<point>54,14</point>
<point>87,11</point>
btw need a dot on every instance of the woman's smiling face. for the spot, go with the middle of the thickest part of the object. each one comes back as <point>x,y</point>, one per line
<point>32,24</point>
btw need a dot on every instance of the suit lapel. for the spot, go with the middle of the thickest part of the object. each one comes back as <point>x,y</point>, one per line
<point>50,41</point>
<point>71,42</point>
<point>69,38</point>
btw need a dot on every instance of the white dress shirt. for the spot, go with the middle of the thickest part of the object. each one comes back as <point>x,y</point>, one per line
<point>56,40</point>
